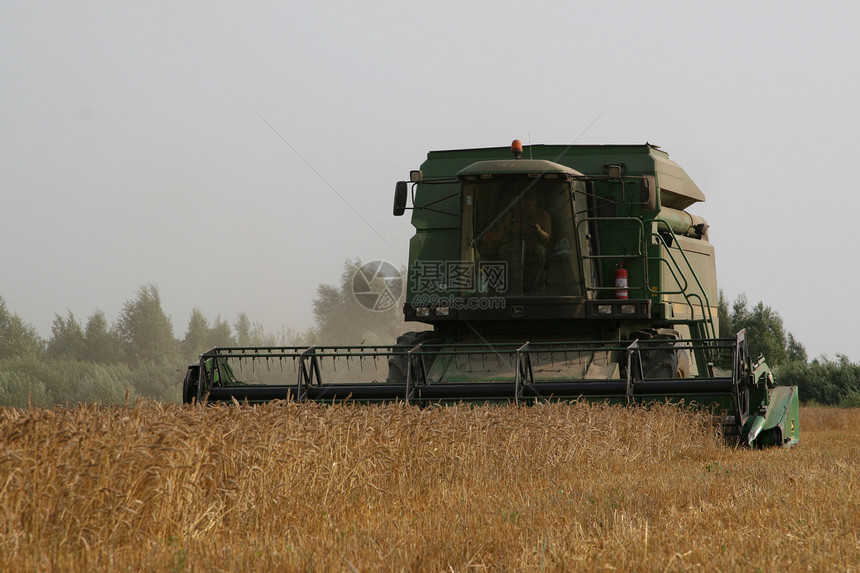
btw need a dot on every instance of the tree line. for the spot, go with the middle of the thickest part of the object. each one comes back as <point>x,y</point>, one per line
<point>95,361</point>
<point>139,356</point>
<point>821,380</point>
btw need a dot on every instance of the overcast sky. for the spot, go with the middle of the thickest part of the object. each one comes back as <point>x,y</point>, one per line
<point>236,154</point>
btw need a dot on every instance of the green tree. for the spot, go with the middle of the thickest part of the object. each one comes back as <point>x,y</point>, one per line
<point>221,334</point>
<point>765,332</point>
<point>253,334</point>
<point>16,337</point>
<point>244,330</point>
<point>725,319</point>
<point>144,329</point>
<point>196,335</point>
<point>794,350</point>
<point>67,338</point>
<point>101,343</point>
<point>200,337</point>
<point>341,319</point>
<point>740,313</point>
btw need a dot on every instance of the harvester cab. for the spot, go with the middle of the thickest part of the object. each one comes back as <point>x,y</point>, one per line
<point>574,273</point>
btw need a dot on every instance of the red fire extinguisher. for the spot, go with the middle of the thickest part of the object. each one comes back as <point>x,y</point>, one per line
<point>621,282</point>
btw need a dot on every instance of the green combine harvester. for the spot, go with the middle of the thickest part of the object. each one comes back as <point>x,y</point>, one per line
<point>574,273</point>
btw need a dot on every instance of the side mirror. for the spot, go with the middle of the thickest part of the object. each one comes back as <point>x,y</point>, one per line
<point>401,191</point>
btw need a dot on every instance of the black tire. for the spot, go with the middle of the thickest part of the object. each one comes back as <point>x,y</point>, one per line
<point>397,364</point>
<point>663,361</point>
<point>189,385</point>
<point>685,362</point>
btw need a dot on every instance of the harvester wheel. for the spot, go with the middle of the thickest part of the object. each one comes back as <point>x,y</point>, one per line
<point>189,385</point>
<point>684,362</point>
<point>397,364</point>
<point>659,358</point>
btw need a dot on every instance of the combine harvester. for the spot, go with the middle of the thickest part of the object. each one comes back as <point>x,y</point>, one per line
<point>574,273</point>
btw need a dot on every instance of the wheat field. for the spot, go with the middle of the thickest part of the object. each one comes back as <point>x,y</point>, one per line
<point>289,487</point>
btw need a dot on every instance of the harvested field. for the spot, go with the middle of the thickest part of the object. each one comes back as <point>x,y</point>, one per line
<point>392,488</point>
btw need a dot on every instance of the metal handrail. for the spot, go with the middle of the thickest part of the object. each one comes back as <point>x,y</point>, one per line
<point>705,305</point>
<point>642,254</point>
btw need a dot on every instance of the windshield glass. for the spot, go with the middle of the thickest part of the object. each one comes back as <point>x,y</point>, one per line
<point>518,234</point>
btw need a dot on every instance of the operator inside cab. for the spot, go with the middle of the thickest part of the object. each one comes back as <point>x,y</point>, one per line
<point>525,238</point>
<point>524,223</point>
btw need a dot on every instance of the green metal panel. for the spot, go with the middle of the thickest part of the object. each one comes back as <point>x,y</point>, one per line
<point>783,413</point>
<point>679,281</point>
<point>590,160</point>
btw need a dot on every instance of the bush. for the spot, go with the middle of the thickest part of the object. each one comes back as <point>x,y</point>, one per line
<point>851,399</point>
<point>72,382</point>
<point>107,385</point>
<point>160,380</point>
<point>21,391</point>
<point>824,381</point>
